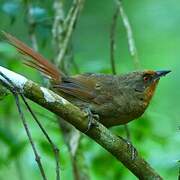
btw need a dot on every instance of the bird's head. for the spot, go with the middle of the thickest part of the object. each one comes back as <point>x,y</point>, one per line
<point>144,83</point>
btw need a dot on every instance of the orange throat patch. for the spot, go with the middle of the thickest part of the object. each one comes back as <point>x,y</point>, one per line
<point>150,91</point>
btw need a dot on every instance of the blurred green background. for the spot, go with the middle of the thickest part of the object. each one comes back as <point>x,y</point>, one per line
<point>156,135</point>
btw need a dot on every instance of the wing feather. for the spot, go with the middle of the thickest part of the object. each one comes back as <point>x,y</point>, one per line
<point>78,86</point>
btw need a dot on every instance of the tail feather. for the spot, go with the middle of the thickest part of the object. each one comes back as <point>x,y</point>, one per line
<point>37,61</point>
<point>33,65</point>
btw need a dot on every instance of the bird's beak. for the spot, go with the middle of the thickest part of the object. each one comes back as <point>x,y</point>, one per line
<point>161,73</point>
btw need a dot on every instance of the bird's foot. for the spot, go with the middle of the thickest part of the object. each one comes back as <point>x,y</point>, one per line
<point>131,148</point>
<point>91,116</point>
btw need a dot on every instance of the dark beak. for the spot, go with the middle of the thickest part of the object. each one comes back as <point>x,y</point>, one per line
<point>161,73</point>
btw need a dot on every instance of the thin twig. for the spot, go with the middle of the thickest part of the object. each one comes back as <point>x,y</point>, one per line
<point>55,149</point>
<point>37,157</point>
<point>131,42</point>
<point>70,24</point>
<point>58,25</point>
<point>10,85</point>
<point>112,40</point>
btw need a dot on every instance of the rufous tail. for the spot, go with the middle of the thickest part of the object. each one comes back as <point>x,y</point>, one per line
<point>37,61</point>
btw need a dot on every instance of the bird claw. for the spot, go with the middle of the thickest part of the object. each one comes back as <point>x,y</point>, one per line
<point>95,116</point>
<point>131,148</point>
<point>90,116</point>
<point>133,151</point>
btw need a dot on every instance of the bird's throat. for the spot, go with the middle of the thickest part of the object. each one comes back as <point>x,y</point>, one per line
<point>150,91</point>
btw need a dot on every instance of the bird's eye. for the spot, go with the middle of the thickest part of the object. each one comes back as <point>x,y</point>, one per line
<point>145,78</point>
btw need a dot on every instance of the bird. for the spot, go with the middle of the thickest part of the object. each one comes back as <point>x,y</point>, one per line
<point>116,99</point>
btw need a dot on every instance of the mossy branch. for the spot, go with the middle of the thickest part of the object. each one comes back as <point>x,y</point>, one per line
<point>72,114</point>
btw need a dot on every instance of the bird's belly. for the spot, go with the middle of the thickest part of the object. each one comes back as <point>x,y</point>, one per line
<point>113,115</point>
<point>117,120</point>
<point>110,113</point>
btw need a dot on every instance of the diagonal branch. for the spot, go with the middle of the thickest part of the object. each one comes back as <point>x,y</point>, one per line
<point>72,114</point>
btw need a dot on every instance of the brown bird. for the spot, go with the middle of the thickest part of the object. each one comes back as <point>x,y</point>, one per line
<point>116,99</point>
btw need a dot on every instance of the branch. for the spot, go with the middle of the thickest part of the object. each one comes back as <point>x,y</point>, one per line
<point>72,114</point>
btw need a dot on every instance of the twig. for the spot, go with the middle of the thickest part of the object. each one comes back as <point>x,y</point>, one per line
<point>53,146</point>
<point>112,40</point>
<point>70,24</point>
<point>10,85</point>
<point>37,157</point>
<point>58,28</point>
<point>131,42</point>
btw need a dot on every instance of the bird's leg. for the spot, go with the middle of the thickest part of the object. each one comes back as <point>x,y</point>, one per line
<point>91,116</point>
<point>129,142</point>
<point>131,148</point>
